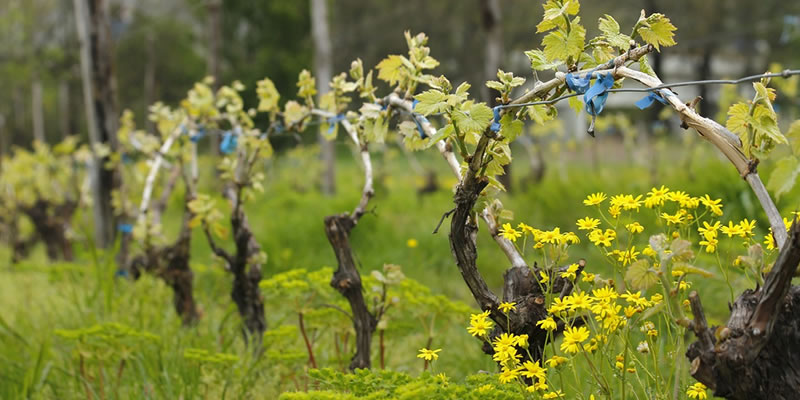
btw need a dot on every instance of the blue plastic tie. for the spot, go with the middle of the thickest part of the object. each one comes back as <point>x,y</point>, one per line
<point>332,121</point>
<point>414,104</point>
<point>228,144</point>
<point>121,273</point>
<point>125,228</point>
<point>495,127</point>
<point>595,98</point>
<point>648,100</point>
<point>577,84</point>
<point>418,119</point>
<point>199,134</point>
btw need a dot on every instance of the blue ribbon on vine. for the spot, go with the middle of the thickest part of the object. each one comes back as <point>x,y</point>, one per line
<point>332,121</point>
<point>419,119</point>
<point>199,134</point>
<point>595,98</point>
<point>125,228</point>
<point>228,144</point>
<point>577,84</point>
<point>648,100</point>
<point>495,127</point>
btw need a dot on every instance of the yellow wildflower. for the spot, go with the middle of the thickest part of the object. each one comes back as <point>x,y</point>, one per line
<point>712,205</point>
<point>588,223</point>
<point>769,241</point>
<point>412,243</point>
<point>656,197</point>
<point>573,337</point>
<point>553,236</point>
<point>570,272</point>
<point>510,233</point>
<point>533,370</point>
<point>710,243</point>
<point>547,324</point>
<point>506,307</point>
<point>526,228</point>
<point>579,301</point>
<point>595,199</point>
<point>614,211</point>
<point>697,391</point>
<point>555,361</point>
<point>587,276</point>
<point>732,230</point>
<point>544,277</point>
<point>673,219</point>
<point>747,228</point>
<point>428,355</point>
<point>605,293</point>
<point>479,325</point>
<point>553,395</point>
<point>634,227</point>
<point>709,231</point>
<point>508,375</point>
<point>628,256</point>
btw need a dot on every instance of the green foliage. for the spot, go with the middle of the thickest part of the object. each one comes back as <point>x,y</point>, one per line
<point>756,123</point>
<point>365,384</point>
<point>656,29</point>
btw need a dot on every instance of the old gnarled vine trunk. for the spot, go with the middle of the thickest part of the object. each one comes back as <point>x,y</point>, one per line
<point>171,263</point>
<point>347,281</point>
<point>754,356</point>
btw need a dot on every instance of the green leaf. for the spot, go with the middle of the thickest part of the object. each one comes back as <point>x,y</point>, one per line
<point>765,123</point>
<point>510,128</point>
<point>553,12</point>
<point>558,45</point>
<point>793,134</point>
<point>541,113</point>
<point>306,85</point>
<point>475,119</point>
<point>539,60</point>
<point>681,250</point>
<point>376,130</point>
<point>441,134</point>
<point>784,176</point>
<point>602,53</point>
<point>267,95</point>
<point>610,29</point>
<point>738,117</point>
<point>691,269</point>
<point>658,31</point>
<point>640,275</point>
<point>390,69</point>
<point>645,67</point>
<point>431,102</point>
<point>495,85</point>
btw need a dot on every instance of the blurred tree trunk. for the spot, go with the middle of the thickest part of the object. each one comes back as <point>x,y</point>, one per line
<point>150,79</point>
<point>323,70</point>
<point>64,118</point>
<point>3,138</point>
<point>92,20</point>
<point>214,28</point>
<point>19,114</point>
<point>490,21</point>
<point>37,108</point>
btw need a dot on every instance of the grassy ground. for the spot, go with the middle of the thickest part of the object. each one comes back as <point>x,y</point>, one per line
<point>38,299</point>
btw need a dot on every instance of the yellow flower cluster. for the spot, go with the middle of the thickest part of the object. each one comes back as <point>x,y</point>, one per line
<point>697,391</point>
<point>480,324</point>
<point>540,237</point>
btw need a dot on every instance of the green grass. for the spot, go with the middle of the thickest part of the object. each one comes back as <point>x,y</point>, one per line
<point>38,298</point>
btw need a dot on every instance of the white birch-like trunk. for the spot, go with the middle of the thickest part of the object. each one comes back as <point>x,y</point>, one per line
<point>37,109</point>
<point>323,70</point>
